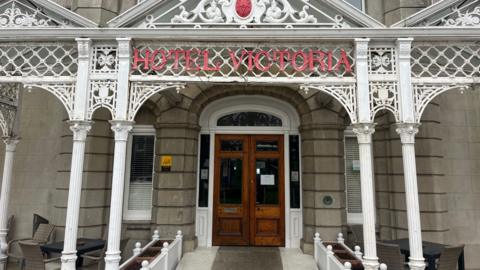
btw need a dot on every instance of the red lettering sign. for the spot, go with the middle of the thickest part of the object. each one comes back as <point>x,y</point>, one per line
<point>283,60</point>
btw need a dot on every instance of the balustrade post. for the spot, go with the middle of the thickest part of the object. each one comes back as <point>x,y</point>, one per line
<point>364,134</point>
<point>80,130</point>
<point>121,130</point>
<point>407,133</point>
<point>165,251</point>
<point>10,147</point>
<point>138,249</point>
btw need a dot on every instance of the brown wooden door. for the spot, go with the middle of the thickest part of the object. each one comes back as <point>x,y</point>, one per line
<point>249,192</point>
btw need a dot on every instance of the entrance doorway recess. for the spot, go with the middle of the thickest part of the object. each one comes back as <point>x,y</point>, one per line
<point>249,190</point>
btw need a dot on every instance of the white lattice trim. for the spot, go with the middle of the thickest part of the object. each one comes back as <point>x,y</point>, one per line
<point>445,59</point>
<point>141,92</point>
<point>38,59</point>
<point>103,94</point>
<point>384,96</point>
<point>425,93</point>
<point>345,94</point>
<point>65,92</point>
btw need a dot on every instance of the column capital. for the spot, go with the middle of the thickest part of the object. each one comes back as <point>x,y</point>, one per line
<point>364,132</point>
<point>407,132</point>
<point>11,143</point>
<point>80,129</point>
<point>121,129</point>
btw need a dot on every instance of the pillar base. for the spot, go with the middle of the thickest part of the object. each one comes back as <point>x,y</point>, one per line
<point>416,264</point>
<point>3,262</point>
<point>69,260</point>
<point>370,263</point>
<point>112,260</point>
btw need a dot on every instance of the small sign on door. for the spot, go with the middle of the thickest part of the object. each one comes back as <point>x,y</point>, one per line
<point>267,180</point>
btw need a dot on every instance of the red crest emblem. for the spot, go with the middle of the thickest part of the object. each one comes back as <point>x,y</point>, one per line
<point>243,8</point>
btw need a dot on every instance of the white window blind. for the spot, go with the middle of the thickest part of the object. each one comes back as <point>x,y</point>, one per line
<point>138,196</point>
<point>352,178</point>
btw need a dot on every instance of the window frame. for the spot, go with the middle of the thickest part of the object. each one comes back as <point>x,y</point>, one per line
<point>352,218</point>
<point>363,5</point>
<point>137,215</point>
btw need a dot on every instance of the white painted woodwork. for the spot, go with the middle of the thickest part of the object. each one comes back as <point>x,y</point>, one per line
<point>121,130</point>
<point>10,146</point>
<point>80,130</point>
<point>364,134</point>
<point>407,136</point>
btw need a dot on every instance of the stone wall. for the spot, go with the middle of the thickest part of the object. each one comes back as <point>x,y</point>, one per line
<point>97,178</point>
<point>35,163</point>
<point>461,148</point>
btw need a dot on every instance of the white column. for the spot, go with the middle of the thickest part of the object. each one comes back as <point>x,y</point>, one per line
<point>10,146</point>
<point>407,133</point>
<point>121,130</point>
<point>80,130</point>
<point>364,134</point>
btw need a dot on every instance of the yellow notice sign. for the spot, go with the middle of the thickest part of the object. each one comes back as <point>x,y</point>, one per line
<point>166,163</point>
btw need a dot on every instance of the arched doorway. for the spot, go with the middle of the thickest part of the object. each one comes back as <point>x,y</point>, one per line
<point>251,144</point>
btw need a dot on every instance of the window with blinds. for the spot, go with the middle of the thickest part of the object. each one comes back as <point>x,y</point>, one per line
<point>139,186</point>
<point>357,3</point>
<point>352,180</point>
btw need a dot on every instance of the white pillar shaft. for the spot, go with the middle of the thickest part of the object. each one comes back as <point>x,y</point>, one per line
<point>69,254</point>
<point>364,134</point>
<point>10,146</point>
<point>112,258</point>
<point>407,134</point>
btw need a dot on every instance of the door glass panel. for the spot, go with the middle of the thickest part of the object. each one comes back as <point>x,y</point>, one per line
<point>267,146</point>
<point>236,145</point>
<point>266,172</point>
<point>231,181</point>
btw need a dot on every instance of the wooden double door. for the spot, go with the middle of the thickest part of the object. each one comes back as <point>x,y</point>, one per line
<point>249,192</point>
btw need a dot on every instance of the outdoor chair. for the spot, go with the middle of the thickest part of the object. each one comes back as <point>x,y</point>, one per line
<point>98,257</point>
<point>390,255</point>
<point>34,259</point>
<point>10,227</point>
<point>449,258</point>
<point>41,237</point>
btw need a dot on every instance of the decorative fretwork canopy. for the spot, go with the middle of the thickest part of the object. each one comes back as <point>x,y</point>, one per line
<point>244,14</point>
<point>302,44</point>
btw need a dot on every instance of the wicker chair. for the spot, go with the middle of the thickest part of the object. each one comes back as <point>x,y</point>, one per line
<point>97,257</point>
<point>390,255</point>
<point>34,259</point>
<point>449,258</point>
<point>41,236</point>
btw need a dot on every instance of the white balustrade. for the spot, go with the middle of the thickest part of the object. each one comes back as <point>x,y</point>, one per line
<point>168,259</point>
<point>325,256</point>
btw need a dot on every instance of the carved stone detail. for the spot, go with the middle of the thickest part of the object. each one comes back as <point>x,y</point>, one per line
<point>407,132</point>
<point>465,18</point>
<point>364,132</point>
<point>16,14</point>
<point>80,129</point>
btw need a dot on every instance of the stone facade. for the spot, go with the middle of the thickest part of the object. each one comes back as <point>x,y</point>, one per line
<point>447,149</point>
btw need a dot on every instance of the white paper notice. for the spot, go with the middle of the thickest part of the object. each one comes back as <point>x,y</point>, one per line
<point>204,174</point>
<point>267,180</point>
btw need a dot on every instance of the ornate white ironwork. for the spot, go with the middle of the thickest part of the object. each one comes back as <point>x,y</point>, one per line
<point>103,94</point>
<point>142,91</point>
<point>425,93</point>
<point>344,93</point>
<point>382,60</point>
<point>464,18</point>
<point>245,12</point>
<point>104,59</point>
<point>63,91</point>
<point>14,13</point>
<point>384,95</point>
<point>38,59</point>
<point>220,54</point>
<point>445,59</point>
<point>9,94</point>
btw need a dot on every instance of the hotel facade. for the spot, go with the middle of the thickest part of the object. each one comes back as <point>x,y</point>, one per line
<point>247,122</point>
